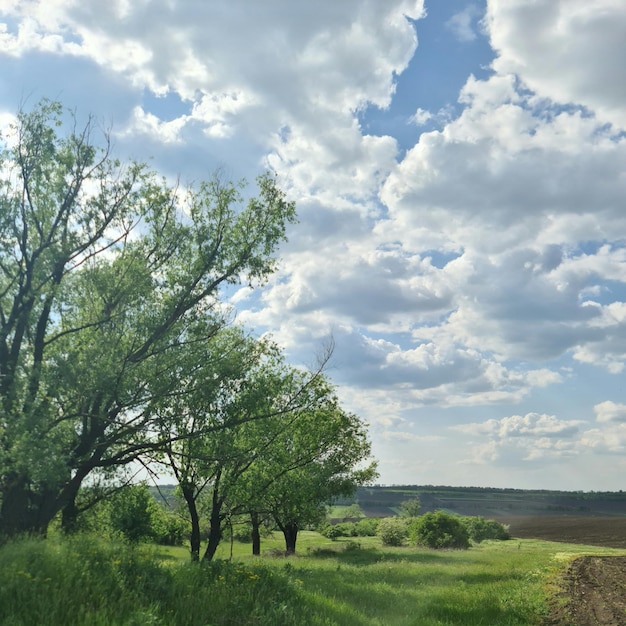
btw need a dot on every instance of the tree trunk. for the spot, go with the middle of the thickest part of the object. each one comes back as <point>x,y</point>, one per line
<point>256,533</point>
<point>194,539</point>
<point>215,534</point>
<point>69,518</point>
<point>290,531</point>
<point>22,511</point>
<point>215,522</point>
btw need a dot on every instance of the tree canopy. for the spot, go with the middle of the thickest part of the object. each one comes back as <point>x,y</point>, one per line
<point>108,275</point>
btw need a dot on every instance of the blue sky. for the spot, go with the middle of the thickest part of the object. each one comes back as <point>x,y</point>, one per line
<point>458,169</point>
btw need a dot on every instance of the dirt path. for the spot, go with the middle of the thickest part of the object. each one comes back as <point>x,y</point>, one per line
<point>593,593</point>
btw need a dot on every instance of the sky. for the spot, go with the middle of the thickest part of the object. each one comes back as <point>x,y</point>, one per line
<point>459,170</point>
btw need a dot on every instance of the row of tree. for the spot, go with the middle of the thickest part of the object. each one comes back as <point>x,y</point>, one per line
<point>116,348</point>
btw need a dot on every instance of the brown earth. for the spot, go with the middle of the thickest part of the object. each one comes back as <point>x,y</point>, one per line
<point>608,532</point>
<point>592,593</point>
<point>592,590</point>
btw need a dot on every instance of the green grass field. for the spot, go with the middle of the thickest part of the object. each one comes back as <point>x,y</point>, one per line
<point>87,581</point>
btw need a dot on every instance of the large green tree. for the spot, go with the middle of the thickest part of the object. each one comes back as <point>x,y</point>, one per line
<point>104,268</point>
<point>238,404</point>
<point>328,450</point>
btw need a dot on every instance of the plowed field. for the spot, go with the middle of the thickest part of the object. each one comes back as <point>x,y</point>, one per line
<point>592,589</point>
<point>593,531</point>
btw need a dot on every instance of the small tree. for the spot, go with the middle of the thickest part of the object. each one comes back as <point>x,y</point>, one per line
<point>410,508</point>
<point>439,530</point>
<point>352,512</point>
<point>135,513</point>
<point>392,531</point>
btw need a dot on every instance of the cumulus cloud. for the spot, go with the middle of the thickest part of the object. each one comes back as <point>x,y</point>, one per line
<point>521,438</point>
<point>609,411</point>
<point>565,51</point>
<point>465,271</point>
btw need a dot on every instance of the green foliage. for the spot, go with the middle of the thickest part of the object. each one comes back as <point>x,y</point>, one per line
<point>410,508</point>
<point>109,287</point>
<point>352,511</point>
<point>392,531</point>
<point>365,527</point>
<point>439,530</point>
<point>135,514</point>
<point>169,528</point>
<point>479,529</point>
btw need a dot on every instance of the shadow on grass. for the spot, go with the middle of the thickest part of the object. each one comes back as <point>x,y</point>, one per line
<point>368,556</point>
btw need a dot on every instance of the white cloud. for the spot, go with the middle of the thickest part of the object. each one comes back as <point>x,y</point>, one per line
<point>609,411</point>
<point>567,51</point>
<point>463,25</point>
<point>463,272</point>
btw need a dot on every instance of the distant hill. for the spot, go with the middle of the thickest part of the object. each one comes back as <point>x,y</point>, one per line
<point>379,501</point>
<point>383,501</point>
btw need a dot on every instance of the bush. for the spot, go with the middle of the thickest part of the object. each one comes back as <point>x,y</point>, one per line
<point>480,529</point>
<point>332,531</point>
<point>170,529</point>
<point>366,527</point>
<point>392,531</point>
<point>134,513</point>
<point>439,530</point>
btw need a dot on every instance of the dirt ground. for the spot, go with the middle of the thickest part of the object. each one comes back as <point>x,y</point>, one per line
<point>592,589</point>
<point>593,593</point>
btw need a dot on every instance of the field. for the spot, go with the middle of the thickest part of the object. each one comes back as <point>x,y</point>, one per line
<point>596,531</point>
<point>565,566</point>
<point>342,583</point>
<point>592,589</point>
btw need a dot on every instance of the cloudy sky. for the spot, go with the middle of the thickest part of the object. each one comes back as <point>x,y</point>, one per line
<point>460,174</point>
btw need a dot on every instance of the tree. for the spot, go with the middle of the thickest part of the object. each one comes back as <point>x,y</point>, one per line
<point>214,437</point>
<point>411,507</point>
<point>134,513</point>
<point>103,268</point>
<point>322,456</point>
<point>244,400</point>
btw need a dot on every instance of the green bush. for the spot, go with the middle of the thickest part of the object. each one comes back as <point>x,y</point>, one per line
<point>480,529</point>
<point>439,530</point>
<point>366,527</point>
<point>332,531</point>
<point>134,513</point>
<point>392,531</point>
<point>170,529</point>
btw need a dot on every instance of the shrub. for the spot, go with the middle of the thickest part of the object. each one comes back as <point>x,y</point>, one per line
<point>439,530</point>
<point>134,513</point>
<point>392,531</point>
<point>332,531</point>
<point>366,527</point>
<point>170,529</point>
<point>480,529</point>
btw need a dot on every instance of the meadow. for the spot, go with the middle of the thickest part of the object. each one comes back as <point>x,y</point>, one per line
<point>87,580</point>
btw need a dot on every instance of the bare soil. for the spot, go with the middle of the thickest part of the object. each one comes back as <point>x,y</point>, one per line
<point>609,532</point>
<point>592,590</point>
<point>592,593</point>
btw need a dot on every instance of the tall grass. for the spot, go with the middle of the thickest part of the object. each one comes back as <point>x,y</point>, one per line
<point>86,581</point>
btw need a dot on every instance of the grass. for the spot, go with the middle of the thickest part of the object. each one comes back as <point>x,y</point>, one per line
<point>87,581</point>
